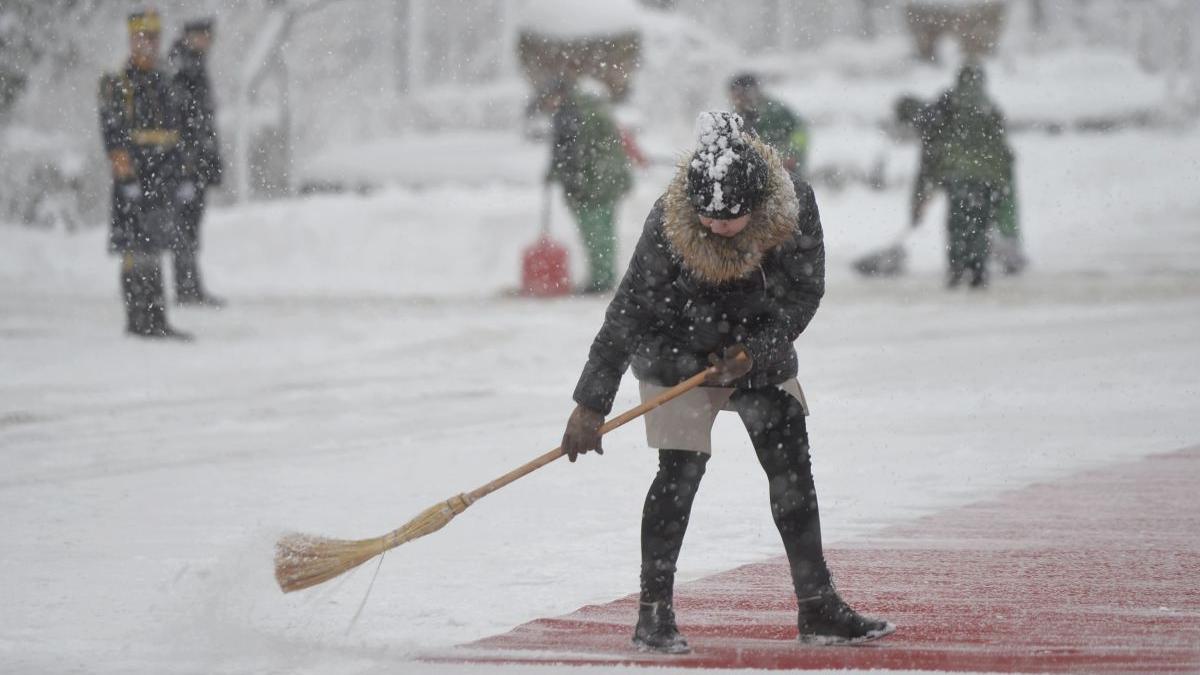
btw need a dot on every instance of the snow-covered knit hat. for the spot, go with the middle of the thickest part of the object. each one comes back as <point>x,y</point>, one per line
<point>726,176</point>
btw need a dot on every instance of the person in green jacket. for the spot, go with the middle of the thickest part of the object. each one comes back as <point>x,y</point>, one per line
<point>773,121</point>
<point>589,161</point>
<point>965,151</point>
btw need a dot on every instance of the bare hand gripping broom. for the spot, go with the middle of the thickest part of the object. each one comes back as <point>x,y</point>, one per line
<point>303,560</point>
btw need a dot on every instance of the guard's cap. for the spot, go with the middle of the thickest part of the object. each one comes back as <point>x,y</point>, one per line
<point>201,25</point>
<point>145,21</point>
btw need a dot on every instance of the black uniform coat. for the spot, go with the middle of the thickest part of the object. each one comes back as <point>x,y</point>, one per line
<point>139,113</point>
<point>689,293</point>
<point>199,133</point>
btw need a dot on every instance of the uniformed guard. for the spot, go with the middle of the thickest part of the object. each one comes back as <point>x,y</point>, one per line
<point>139,122</point>
<point>202,158</point>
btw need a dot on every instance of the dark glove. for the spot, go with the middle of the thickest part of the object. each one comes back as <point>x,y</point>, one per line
<point>729,366</point>
<point>583,433</point>
<point>130,191</point>
<point>185,192</point>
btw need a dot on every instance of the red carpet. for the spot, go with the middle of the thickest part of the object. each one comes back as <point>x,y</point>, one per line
<point>1099,572</point>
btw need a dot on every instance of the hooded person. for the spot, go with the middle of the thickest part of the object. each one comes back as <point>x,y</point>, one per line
<point>729,270</point>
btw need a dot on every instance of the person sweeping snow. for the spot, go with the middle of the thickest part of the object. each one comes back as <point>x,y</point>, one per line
<point>729,270</point>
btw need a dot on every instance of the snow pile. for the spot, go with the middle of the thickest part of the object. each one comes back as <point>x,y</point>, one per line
<point>462,157</point>
<point>579,18</point>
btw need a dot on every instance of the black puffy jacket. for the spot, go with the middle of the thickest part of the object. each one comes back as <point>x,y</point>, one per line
<point>689,293</point>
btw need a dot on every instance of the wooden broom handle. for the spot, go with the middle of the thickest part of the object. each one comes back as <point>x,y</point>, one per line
<point>625,417</point>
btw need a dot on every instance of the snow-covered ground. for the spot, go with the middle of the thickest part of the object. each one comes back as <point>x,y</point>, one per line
<point>366,368</point>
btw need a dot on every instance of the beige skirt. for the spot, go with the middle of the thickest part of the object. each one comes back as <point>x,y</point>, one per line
<point>686,422</point>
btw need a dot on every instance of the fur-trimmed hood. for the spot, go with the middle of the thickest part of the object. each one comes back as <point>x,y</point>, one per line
<point>717,259</point>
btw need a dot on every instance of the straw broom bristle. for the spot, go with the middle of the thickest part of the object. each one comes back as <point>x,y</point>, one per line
<point>303,560</point>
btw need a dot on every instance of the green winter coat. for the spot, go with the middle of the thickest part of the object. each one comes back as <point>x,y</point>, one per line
<point>783,130</point>
<point>588,157</point>
<point>967,138</point>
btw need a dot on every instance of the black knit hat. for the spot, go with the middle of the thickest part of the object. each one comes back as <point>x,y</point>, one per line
<point>744,81</point>
<point>727,178</point>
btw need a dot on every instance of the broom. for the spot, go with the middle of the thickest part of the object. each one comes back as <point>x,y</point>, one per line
<point>303,560</point>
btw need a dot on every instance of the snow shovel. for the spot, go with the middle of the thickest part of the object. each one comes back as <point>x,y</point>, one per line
<point>886,262</point>
<point>544,264</point>
<point>303,560</point>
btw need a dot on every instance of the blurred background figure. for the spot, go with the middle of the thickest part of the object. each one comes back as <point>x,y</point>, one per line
<point>965,151</point>
<point>588,159</point>
<point>202,156</point>
<point>139,121</point>
<point>773,121</point>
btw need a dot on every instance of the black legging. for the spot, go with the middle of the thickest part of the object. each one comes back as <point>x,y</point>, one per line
<point>775,421</point>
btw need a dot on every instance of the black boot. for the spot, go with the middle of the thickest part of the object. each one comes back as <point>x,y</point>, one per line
<point>664,522</point>
<point>188,288</point>
<point>162,329</point>
<point>979,272</point>
<point>656,630</point>
<point>137,312</point>
<point>145,309</point>
<point>953,279</point>
<point>826,619</point>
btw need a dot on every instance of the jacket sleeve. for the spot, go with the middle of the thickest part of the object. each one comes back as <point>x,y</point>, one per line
<point>804,265</point>
<point>193,128</point>
<point>564,154</point>
<point>212,167</point>
<point>114,128</point>
<point>926,181</point>
<point>931,123</point>
<point>199,131</point>
<point>645,287</point>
